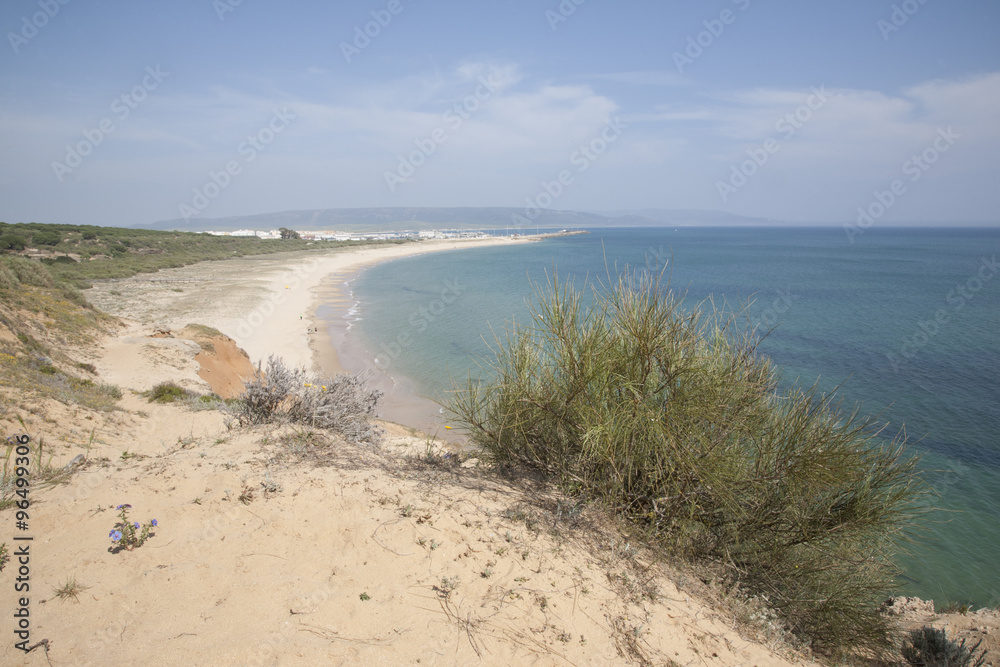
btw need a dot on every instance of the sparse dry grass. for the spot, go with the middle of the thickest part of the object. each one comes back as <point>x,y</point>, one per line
<point>31,378</point>
<point>43,473</point>
<point>70,590</point>
<point>341,405</point>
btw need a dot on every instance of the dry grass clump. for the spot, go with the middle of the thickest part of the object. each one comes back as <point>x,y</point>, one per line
<point>39,322</point>
<point>70,590</point>
<point>672,418</point>
<point>43,473</point>
<point>341,404</point>
<point>34,376</point>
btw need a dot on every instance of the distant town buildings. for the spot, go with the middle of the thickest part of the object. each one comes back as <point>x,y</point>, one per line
<point>358,236</point>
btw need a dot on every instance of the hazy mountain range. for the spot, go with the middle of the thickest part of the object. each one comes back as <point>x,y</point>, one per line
<point>386,219</point>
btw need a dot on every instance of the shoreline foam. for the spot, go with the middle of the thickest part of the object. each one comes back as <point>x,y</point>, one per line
<point>334,351</point>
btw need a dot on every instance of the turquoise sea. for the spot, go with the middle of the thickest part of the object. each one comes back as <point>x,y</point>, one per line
<point>906,321</point>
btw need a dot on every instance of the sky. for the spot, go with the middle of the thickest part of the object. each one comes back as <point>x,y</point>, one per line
<point>124,113</point>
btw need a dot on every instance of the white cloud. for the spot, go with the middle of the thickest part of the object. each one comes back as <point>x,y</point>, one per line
<point>643,78</point>
<point>347,135</point>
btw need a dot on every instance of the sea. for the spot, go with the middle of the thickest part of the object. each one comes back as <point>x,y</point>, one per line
<point>904,323</point>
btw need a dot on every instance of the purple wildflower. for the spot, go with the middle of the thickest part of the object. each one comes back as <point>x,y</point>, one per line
<point>153,522</point>
<point>115,535</point>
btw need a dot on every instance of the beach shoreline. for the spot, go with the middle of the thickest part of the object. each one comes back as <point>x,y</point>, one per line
<point>269,305</point>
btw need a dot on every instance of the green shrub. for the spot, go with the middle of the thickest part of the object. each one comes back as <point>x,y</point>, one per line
<point>12,241</point>
<point>27,271</point>
<point>73,295</point>
<point>930,647</point>
<point>674,419</point>
<point>46,238</point>
<point>8,279</point>
<point>111,390</point>
<point>166,392</point>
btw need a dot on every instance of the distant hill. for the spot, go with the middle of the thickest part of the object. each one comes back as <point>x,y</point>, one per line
<point>417,218</point>
<point>645,217</point>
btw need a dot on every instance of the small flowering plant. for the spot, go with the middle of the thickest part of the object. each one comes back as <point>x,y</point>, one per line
<point>129,534</point>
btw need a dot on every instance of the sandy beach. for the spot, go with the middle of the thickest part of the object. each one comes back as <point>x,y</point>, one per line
<point>268,306</point>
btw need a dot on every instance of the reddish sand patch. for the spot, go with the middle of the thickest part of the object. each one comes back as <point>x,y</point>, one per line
<point>224,366</point>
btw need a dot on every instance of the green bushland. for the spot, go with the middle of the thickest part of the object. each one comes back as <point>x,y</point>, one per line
<point>117,252</point>
<point>28,285</point>
<point>673,418</point>
<point>16,271</point>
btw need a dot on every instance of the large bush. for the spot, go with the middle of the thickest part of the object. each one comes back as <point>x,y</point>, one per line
<point>12,241</point>
<point>46,238</point>
<point>673,418</point>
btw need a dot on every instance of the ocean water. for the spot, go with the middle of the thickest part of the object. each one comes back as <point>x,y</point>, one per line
<point>905,321</point>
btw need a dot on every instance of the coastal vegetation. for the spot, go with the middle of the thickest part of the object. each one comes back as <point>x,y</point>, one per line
<point>340,404</point>
<point>39,318</point>
<point>671,417</point>
<point>78,254</point>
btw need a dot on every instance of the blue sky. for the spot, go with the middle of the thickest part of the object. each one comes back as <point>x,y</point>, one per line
<point>130,112</point>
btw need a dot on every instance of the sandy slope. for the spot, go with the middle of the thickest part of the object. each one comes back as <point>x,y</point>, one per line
<point>283,546</point>
<point>264,553</point>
